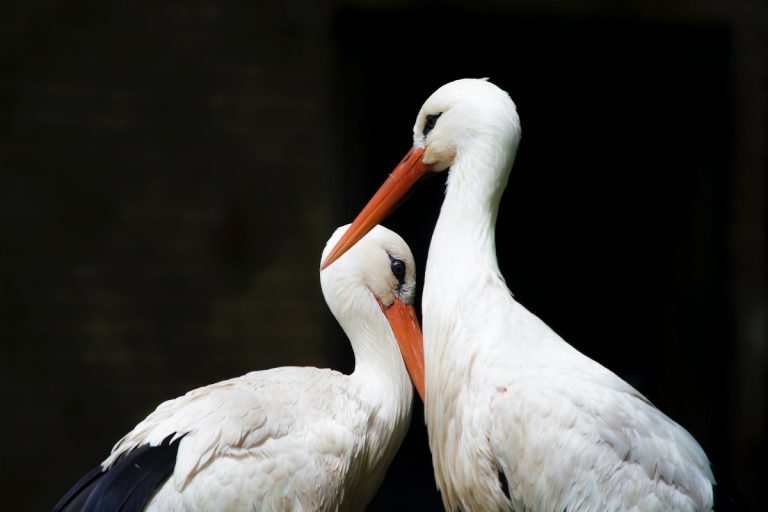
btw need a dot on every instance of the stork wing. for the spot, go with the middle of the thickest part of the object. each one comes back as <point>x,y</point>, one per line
<point>298,428</point>
<point>613,449</point>
<point>125,486</point>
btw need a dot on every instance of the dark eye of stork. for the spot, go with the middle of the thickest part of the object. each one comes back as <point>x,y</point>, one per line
<point>431,122</point>
<point>398,268</point>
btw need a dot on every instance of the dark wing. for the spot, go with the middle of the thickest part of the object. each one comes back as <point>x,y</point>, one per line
<point>76,496</point>
<point>127,485</point>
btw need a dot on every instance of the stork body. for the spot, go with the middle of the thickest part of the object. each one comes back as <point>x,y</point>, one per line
<point>287,438</point>
<point>517,418</point>
<point>506,395</point>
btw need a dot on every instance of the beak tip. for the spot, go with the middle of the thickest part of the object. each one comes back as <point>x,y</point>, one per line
<point>405,175</point>
<point>327,261</point>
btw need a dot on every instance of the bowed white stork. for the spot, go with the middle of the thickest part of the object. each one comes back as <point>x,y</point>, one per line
<point>287,438</point>
<point>517,418</point>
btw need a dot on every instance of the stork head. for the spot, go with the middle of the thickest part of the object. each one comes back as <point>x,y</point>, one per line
<point>461,114</point>
<point>462,118</point>
<point>377,275</point>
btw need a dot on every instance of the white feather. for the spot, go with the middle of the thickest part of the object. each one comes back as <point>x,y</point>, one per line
<point>503,391</point>
<point>296,438</point>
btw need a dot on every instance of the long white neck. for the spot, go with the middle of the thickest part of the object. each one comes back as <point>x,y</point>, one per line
<point>379,386</point>
<point>462,281</point>
<point>462,254</point>
<point>380,375</point>
<point>382,384</point>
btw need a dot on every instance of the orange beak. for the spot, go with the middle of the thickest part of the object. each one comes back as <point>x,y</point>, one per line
<point>407,173</point>
<point>405,325</point>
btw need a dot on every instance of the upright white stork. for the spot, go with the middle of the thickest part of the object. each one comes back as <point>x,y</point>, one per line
<point>517,418</point>
<point>287,438</point>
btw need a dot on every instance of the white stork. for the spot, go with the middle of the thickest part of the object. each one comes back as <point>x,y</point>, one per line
<point>287,438</point>
<point>518,418</point>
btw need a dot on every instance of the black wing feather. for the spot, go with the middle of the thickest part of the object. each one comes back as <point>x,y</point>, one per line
<point>76,496</point>
<point>127,485</point>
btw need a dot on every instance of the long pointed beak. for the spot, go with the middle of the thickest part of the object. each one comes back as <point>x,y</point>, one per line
<point>405,325</point>
<point>407,173</point>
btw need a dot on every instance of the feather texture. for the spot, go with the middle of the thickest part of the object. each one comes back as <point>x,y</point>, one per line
<point>127,484</point>
<point>504,392</point>
<point>282,439</point>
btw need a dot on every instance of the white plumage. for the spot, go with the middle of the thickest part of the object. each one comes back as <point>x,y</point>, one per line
<point>505,395</point>
<point>299,438</point>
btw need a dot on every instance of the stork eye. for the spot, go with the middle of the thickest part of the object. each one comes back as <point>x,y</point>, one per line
<point>431,121</point>
<point>398,269</point>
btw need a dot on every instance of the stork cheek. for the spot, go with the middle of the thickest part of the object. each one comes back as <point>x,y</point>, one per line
<point>439,155</point>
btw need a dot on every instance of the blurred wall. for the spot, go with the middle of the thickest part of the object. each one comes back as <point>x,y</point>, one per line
<point>170,172</point>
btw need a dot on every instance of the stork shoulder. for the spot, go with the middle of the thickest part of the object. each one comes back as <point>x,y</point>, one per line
<point>257,413</point>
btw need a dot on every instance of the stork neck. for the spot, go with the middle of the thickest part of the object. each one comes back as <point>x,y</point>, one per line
<point>464,241</point>
<point>379,366</point>
<point>379,386</point>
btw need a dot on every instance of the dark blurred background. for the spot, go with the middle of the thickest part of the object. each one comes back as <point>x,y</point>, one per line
<point>170,172</point>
